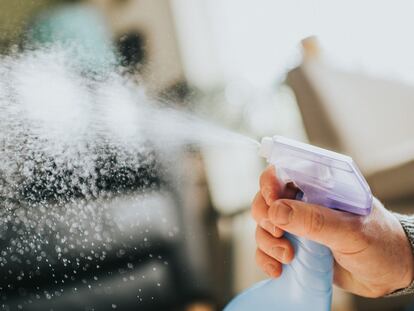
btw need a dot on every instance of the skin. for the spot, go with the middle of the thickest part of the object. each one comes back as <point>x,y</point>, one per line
<point>372,254</point>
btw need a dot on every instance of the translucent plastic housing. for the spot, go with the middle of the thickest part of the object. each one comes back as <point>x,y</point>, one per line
<point>326,178</point>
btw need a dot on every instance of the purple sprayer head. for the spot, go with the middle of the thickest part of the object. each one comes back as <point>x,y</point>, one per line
<point>324,177</point>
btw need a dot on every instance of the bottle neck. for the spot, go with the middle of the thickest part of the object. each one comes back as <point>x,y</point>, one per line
<point>312,265</point>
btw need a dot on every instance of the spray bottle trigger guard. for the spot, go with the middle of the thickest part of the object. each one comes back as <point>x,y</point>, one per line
<point>285,180</point>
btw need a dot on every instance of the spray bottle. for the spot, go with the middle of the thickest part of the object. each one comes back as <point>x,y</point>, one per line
<point>325,178</point>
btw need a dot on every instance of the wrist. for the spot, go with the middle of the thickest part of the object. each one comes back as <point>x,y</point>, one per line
<point>405,235</point>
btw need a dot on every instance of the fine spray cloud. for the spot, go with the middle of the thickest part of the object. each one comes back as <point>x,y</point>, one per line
<point>69,142</point>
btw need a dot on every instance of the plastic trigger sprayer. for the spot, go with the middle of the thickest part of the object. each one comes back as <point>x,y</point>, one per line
<point>325,178</point>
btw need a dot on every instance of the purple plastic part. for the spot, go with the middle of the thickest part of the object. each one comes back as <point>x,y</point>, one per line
<point>326,178</point>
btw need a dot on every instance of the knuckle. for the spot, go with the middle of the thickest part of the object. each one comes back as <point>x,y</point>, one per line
<point>254,212</point>
<point>260,259</point>
<point>254,208</point>
<point>262,179</point>
<point>273,211</point>
<point>256,198</point>
<point>289,254</point>
<point>258,235</point>
<point>280,242</point>
<point>266,175</point>
<point>315,221</point>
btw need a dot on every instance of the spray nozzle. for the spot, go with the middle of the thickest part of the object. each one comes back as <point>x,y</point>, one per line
<point>266,146</point>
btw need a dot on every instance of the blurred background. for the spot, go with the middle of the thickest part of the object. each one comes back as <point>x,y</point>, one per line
<point>339,75</point>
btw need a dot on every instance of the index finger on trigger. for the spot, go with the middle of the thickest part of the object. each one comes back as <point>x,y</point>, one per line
<point>270,188</point>
<point>260,215</point>
<point>259,208</point>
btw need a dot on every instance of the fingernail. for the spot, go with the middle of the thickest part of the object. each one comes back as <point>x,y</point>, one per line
<point>268,226</point>
<point>280,213</point>
<point>278,253</point>
<point>271,269</point>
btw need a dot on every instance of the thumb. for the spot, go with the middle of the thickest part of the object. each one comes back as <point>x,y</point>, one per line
<point>326,226</point>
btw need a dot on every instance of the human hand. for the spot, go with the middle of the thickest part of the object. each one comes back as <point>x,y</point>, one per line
<point>372,254</point>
